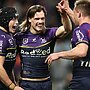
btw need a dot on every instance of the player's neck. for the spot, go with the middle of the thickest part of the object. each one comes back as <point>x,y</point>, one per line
<point>84,20</point>
<point>33,31</point>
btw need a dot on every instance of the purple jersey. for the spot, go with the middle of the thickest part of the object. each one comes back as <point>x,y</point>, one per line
<point>8,50</point>
<point>33,50</point>
<point>82,35</point>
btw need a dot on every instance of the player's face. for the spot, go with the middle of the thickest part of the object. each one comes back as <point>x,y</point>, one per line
<point>76,16</point>
<point>38,22</point>
<point>13,25</point>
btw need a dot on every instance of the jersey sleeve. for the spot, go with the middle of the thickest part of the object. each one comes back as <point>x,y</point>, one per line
<point>52,32</point>
<point>3,46</point>
<point>82,35</point>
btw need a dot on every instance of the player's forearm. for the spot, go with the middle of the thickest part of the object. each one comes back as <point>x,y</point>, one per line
<point>68,55</point>
<point>71,54</point>
<point>71,15</point>
<point>66,22</point>
<point>5,79</point>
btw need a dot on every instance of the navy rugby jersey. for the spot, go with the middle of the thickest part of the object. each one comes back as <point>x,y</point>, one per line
<point>82,35</point>
<point>8,49</point>
<point>33,50</point>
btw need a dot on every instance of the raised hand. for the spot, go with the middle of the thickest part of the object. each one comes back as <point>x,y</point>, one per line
<point>63,5</point>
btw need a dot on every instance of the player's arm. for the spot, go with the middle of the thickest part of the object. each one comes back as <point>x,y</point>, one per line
<point>78,52</point>
<point>66,28</point>
<point>67,25</point>
<point>64,4</point>
<point>4,77</point>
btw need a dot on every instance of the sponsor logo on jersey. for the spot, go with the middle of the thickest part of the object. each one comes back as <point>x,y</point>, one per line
<point>36,52</point>
<point>79,35</point>
<point>1,43</point>
<point>11,55</point>
<point>85,63</point>
<point>34,40</point>
<point>43,40</point>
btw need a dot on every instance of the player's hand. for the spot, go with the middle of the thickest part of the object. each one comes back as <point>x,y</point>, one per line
<point>52,57</point>
<point>18,88</point>
<point>59,7</point>
<point>63,5</point>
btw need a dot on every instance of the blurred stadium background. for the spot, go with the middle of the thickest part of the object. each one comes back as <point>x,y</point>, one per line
<point>61,69</point>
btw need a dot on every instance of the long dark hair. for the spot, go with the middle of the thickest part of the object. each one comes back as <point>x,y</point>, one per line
<point>30,14</point>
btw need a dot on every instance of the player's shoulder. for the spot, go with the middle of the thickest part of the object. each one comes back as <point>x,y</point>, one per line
<point>85,26</point>
<point>3,35</point>
<point>51,28</point>
<point>19,34</point>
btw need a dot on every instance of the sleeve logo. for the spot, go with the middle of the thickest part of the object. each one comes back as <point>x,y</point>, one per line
<point>79,35</point>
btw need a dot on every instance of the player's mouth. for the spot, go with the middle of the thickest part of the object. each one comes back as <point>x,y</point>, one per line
<point>14,27</point>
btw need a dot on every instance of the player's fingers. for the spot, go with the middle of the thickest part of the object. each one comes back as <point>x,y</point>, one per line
<point>59,9</point>
<point>47,59</point>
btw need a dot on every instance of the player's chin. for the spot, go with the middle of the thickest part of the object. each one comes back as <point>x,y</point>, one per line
<point>41,31</point>
<point>38,29</point>
<point>13,31</point>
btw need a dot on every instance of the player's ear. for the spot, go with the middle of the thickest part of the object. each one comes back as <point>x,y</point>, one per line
<point>29,20</point>
<point>79,14</point>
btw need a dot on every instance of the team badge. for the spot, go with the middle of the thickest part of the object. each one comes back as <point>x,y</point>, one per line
<point>25,40</point>
<point>43,40</point>
<point>10,41</point>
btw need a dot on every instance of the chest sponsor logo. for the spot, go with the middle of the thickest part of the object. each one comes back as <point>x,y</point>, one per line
<point>39,52</point>
<point>11,55</point>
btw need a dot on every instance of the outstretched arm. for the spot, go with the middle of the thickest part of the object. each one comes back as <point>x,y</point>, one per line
<point>65,6</point>
<point>78,52</point>
<point>67,25</point>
